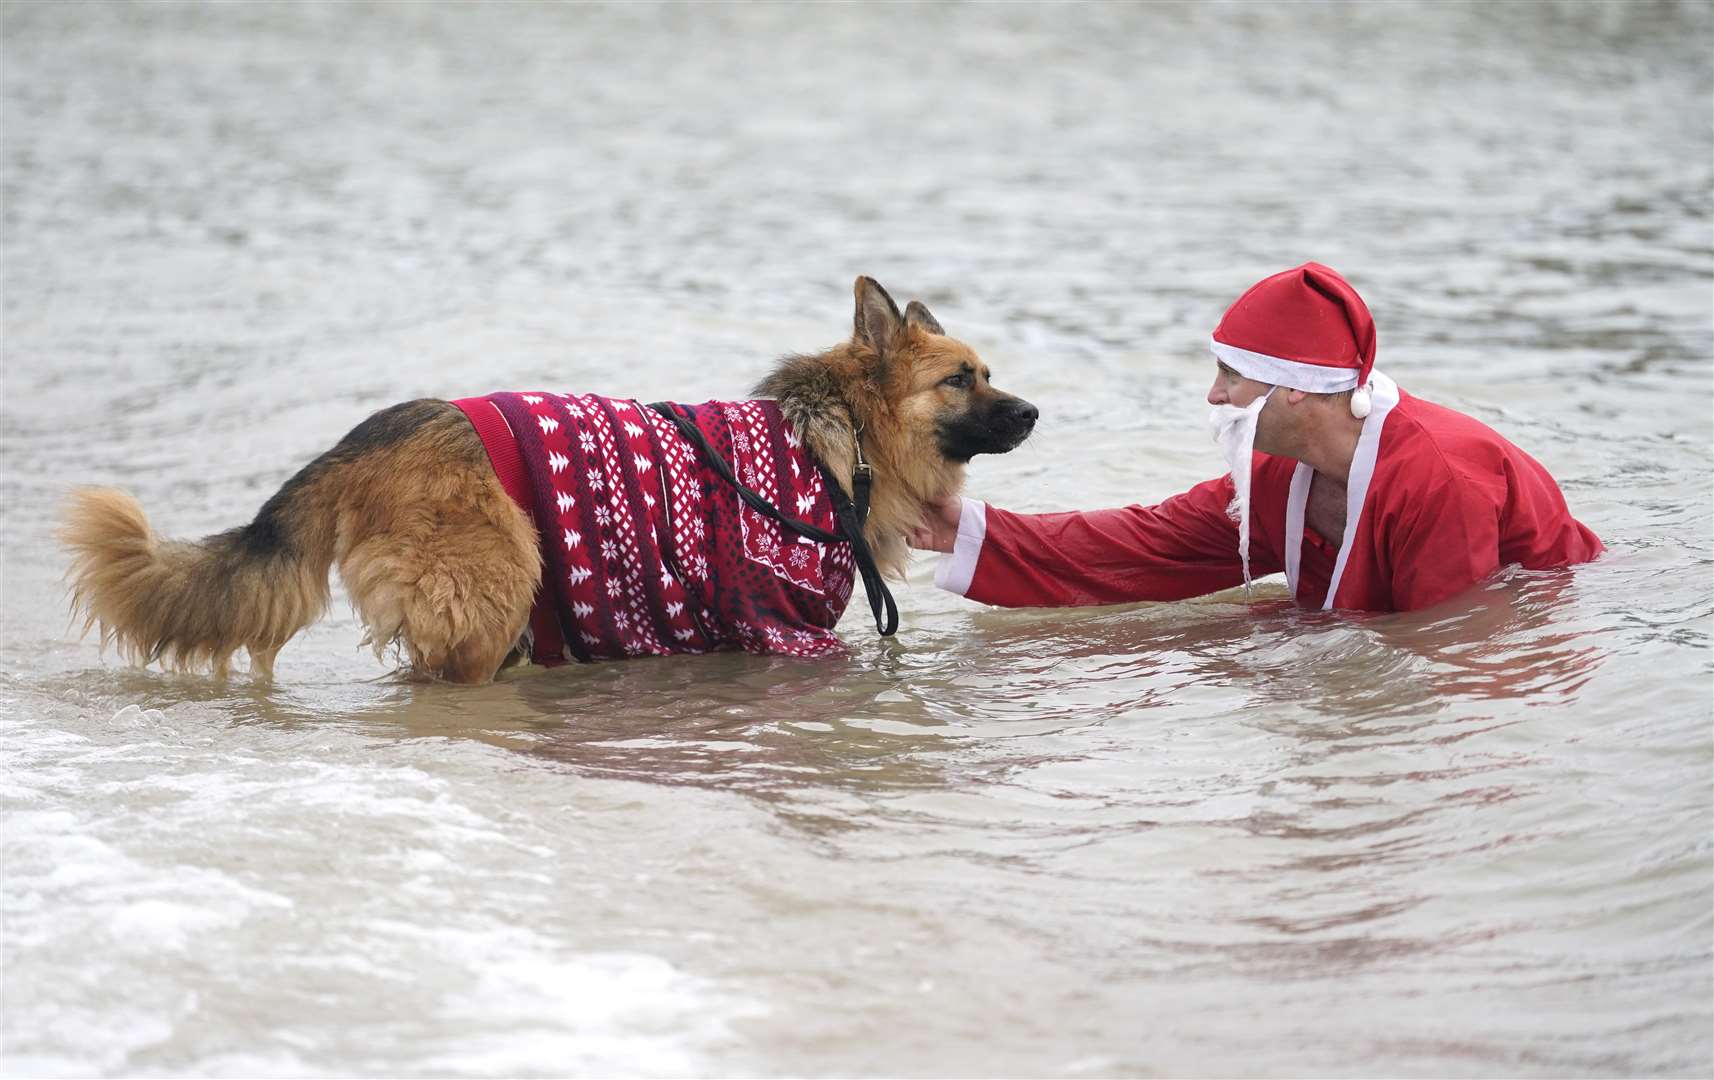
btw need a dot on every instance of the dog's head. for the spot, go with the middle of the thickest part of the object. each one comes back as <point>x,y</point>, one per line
<point>916,403</point>
<point>934,384</point>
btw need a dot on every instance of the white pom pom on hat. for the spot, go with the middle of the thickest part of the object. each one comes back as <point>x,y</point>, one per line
<point>1305,329</point>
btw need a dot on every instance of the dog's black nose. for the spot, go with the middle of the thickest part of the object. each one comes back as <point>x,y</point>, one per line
<point>1025,413</point>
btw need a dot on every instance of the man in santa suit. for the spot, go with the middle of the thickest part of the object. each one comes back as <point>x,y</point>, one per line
<point>1366,497</point>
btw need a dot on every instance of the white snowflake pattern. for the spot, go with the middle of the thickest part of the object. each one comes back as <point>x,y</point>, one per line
<point>622,620</point>
<point>603,516</point>
<point>609,550</point>
<point>586,441</point>
<point>800,558</point>
<point>614,586</point>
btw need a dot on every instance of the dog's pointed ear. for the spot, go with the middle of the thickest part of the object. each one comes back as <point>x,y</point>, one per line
<point>917,315</point>
<point>877,322</point>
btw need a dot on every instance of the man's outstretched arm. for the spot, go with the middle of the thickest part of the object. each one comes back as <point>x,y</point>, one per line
<point>1185,546</point>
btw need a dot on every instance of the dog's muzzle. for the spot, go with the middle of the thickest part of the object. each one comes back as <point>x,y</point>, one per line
<point>1014,420</point>
<point>996,430</point>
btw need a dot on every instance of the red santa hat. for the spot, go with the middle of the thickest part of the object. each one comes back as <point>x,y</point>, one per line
<point>1305,329</point>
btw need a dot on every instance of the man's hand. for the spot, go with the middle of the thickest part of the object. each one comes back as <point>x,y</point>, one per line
<point>939,530</point>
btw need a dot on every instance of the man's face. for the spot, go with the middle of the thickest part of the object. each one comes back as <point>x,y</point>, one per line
<point>1231,388</point>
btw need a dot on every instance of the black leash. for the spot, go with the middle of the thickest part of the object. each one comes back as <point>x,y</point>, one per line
<point>850,514</point>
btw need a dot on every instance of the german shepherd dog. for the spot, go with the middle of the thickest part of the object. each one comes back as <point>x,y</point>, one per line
<point>439,559</point>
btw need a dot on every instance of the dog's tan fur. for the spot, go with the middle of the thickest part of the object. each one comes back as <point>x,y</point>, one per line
<point>433,552</point>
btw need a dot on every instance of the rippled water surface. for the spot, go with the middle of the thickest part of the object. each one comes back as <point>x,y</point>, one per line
<point>1216,837</point>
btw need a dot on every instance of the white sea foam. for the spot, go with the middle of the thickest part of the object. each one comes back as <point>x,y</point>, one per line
<point>370,865</point>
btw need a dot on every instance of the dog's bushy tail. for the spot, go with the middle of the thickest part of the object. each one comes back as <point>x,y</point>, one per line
<point>192,604</point>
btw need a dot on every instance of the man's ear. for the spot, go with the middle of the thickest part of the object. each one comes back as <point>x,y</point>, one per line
<point>917,315</point>
<point>1296,396</point>
<point>876,322</point>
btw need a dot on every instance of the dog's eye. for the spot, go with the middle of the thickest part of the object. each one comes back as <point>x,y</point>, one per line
<point>962,380</point>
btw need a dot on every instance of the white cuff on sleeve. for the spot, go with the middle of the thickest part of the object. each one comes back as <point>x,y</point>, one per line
<point>955,571</point>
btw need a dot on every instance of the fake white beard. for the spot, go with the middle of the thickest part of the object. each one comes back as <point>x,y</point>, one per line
<point>1234,432</point>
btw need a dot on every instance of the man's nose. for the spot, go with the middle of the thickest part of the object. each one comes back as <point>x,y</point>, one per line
<point>1217,393</point>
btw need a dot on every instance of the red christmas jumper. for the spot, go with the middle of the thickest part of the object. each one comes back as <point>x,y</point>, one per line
<point>648,551</point>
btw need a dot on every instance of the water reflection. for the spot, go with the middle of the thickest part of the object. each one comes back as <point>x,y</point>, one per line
<point>757,725</point>
<point>1512,640</point>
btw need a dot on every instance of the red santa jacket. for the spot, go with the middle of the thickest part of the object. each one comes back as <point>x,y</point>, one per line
<point>645,549</point>
<point>1436,502</point>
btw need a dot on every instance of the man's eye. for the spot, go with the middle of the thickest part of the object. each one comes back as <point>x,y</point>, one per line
<point>961,380</point>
